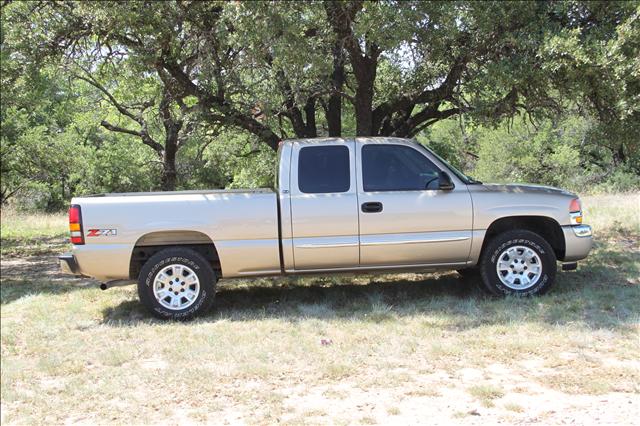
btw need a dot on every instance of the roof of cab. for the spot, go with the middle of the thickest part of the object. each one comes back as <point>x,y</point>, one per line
<point>361,139</point>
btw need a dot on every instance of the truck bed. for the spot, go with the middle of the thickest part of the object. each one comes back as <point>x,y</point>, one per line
<point>192,192</point>
<point>243,225</point>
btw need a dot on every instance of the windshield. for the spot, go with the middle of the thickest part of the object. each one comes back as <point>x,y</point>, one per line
<point>466,179</point>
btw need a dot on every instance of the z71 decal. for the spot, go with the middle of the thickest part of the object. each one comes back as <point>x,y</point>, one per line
<point>102,232</point>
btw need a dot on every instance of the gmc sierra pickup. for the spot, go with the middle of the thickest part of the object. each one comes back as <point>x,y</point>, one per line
<point>340,205</point>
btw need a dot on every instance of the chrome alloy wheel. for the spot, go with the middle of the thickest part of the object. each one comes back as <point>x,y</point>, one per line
<point>176,287</point>
<point>519,267</point>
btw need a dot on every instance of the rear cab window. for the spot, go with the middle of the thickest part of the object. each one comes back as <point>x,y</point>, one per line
<point>324,169</point>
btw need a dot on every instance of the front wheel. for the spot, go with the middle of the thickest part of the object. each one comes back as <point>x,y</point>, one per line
<point>177,283</point>
<point>519,263</point>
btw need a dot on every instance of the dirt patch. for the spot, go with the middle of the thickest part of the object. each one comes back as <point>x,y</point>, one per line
<point>31,268</point>
<point>37,275</point>
<point>523,402</point>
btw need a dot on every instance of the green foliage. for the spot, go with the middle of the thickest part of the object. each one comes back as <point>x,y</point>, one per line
<point>237,74</point>
<point>453,140</point>
<point>118,165</point>
<point>228,160</point>
<point>522,154</point>
<point>622,179</point>
<point>571,153</point>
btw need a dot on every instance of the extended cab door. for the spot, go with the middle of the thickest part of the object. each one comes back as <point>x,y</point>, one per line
<point>404,218</point>
<point>324,205</point>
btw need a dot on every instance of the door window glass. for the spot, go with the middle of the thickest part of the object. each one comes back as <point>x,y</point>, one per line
<point>323,169</point>
<point>397,168</point>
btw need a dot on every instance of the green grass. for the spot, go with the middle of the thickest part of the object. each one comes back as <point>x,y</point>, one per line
<point>403,347</point>
<point>613,214</point>
<point>33,234</point>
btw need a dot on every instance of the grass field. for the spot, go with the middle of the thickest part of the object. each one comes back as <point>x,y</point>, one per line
<point>409,348</point>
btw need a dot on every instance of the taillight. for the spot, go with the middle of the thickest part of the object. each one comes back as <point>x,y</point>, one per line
<point>575,211</point>
<point>75,225</point>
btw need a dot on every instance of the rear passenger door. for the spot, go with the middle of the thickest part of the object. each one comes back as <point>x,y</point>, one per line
<point>404,218</point>
<point>324,205</point>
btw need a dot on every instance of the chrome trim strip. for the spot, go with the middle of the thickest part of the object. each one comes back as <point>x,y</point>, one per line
<point>582,231</point>
<point>434,240</point>
<point>312,246</point>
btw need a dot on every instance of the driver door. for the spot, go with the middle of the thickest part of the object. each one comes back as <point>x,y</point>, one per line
<point>405,219</point>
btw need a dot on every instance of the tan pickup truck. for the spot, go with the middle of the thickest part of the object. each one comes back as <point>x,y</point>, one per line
<point>340,205</point>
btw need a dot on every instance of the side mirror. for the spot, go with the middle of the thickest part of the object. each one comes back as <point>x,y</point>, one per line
<point>444,182</point>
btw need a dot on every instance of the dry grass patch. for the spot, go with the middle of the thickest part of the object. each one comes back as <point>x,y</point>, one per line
<point>512,406</point>
<point>486,393</point>
<point>393,411</point>
<point>33,234</point>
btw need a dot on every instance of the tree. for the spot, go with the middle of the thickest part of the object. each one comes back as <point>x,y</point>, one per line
<point>176,125</point>
<point>595,59</point>
<point>399,66</point>
<point>265,71</point>
<point>32,149</point>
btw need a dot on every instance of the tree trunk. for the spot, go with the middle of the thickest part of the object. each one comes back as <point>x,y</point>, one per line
<point>334,107</point>
<point>169,164</point>
<point>365,75</point>
<point>310,115</point>
<point>168,175</point>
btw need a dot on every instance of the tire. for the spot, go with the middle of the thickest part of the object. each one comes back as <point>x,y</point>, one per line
<point>518,263</point>
<point>185,279</point>
<point>469,273</point>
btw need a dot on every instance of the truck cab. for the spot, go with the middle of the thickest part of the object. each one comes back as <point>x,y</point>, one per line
<point>370,203</point>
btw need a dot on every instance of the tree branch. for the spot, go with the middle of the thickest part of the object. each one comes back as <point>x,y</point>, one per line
<point>121,108</point>
<point>146,139</point>
<point>386,110</point>
<point>226,113</point>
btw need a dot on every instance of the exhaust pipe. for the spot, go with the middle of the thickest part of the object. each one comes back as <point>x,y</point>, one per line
<point>116,283</point>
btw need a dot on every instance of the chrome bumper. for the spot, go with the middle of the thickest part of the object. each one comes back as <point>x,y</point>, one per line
<point>68,264</point>
<point>578,242</point>
<point>582,230</point>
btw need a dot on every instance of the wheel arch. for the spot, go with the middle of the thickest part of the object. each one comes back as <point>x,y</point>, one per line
<point>547,227</point>
<point>151,243</point>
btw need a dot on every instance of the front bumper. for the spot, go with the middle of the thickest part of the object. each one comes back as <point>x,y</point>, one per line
<point>578,242</point>
<point>68,264</point>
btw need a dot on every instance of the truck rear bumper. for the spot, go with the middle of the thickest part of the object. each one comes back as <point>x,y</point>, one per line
<point>103,262</point>
<point>68,264</point>
<point>578,242</point>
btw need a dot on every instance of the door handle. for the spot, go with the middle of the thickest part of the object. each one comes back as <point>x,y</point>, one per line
<point>372,207</point>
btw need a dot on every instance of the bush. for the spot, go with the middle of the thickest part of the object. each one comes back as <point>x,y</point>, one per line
<point>566,153</point>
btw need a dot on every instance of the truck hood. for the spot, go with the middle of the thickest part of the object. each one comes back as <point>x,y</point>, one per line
<point>521,189</point>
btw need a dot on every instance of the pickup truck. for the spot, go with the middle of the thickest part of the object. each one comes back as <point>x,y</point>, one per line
<point>340,205</point>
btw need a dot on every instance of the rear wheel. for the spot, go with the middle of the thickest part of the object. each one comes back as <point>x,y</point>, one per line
<point>518,263</point>
<point>177,283</point>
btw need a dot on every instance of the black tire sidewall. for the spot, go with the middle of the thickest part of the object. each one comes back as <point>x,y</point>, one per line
<point>180,256</point>
<point>517,238</point>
